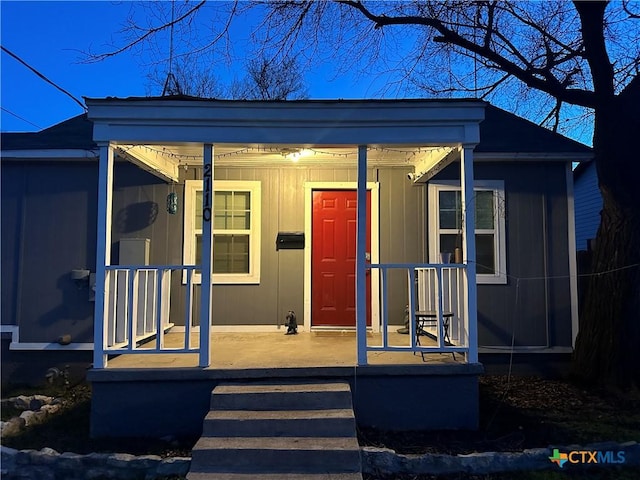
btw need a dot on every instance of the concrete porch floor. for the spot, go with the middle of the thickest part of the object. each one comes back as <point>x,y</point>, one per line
<point>249,350</point>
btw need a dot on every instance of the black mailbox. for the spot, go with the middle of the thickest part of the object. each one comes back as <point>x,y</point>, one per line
<point>290,241</point>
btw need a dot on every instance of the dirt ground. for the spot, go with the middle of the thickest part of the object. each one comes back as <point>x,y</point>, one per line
<point>515,413</point>
<point>521,412</point>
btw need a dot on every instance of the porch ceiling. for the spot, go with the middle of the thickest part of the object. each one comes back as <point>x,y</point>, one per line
<point>165,160</point>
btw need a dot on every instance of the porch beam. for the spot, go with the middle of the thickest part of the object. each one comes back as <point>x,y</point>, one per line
<point>469,249</point>
<point>207,256</point>
<point>361,246</point>
<point>103,252</point>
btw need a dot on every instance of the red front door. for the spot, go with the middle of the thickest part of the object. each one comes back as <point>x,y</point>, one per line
<point>333,258</point>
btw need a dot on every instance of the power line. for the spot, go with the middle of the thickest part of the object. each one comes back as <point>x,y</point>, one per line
<point>43,77</point>
<point>18,116</point>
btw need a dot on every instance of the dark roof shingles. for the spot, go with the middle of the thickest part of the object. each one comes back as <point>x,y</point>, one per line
<point>504,132</point>
<point>74,133</point>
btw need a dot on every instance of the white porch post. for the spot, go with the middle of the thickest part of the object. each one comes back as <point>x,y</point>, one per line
<point>207,255</point>
<point>361,241</point>
<point>103,252</point>
<point>469,249</point>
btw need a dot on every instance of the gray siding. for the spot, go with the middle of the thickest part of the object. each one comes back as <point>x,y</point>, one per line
<point>48,225</point>
<point>51,207</point>
<point>588,203</point>
<point>532,307</point>
<point>282,272</point>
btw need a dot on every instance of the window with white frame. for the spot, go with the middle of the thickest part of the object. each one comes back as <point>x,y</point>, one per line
<point>236,230</point>
<point>446,226</point>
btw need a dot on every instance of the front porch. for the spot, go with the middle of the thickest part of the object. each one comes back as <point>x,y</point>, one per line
<point>336,184</point>
<point>274,350</point>
<point>156,395</point>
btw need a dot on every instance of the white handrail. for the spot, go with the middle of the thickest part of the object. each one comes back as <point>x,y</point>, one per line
<point>138,309</point>
<point>431,287</point>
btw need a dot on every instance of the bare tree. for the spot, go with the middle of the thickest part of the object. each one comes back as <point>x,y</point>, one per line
<point>186,78</point>
<point>271,80</point>
<point>567,57</point>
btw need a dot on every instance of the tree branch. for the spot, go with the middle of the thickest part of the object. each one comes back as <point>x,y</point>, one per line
<point>592,22</point>
<point>625,7</point>
<point>148,33</point>
<point>548,85</point>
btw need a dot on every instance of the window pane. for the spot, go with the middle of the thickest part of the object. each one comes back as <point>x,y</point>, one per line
<point>231,254</point>
<point>484,209</point>
<point>450,209</point>
<point>241,221</point>
<point>449,242</point>
<point>198,210</point>
<point>241,201</point>
<point>232,211</point>
<point>485,258</point>
<point>198,260</point>
<point>222,210</point>
<point>222,201</point>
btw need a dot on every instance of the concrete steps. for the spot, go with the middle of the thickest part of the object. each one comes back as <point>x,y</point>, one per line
<point>278,431</point>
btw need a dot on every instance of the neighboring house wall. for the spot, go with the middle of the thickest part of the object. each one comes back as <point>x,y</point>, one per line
<point>534,310</point>
<point>588,203</point>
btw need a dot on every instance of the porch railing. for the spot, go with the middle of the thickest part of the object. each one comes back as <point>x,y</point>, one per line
<point>436,288</point>
<point>138,306</point>
<point>138,309</point>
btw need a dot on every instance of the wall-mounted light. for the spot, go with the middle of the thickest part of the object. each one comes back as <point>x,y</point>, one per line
<point>172,203</point>
<point>295,154</point>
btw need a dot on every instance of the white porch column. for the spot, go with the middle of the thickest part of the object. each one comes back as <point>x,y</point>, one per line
<point>361,242</point>
<point>469,249</point>
<point>103,252</point>
<point>207,256</point>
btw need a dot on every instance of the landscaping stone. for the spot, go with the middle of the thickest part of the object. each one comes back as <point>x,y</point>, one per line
<point>175,466</point>
<point>36,402</point>
<point>12,427</point>
<point>36,409</point>
<point>33,418</point>
<point>50,409</point>
<point>47,464</point>
<point>384,461</point>
<point>22,402</point>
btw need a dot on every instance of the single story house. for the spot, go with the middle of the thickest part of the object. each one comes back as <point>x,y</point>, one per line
<point>354,214</point>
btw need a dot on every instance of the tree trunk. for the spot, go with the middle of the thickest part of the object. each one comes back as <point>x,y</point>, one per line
<point>607,349</point>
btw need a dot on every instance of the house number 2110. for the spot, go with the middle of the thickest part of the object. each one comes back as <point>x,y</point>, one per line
<point>206,194</point>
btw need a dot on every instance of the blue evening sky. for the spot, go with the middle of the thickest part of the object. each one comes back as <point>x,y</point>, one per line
<point>49,36</point>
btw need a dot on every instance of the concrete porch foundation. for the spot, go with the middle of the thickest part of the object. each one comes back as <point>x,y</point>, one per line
<point>149,396</point>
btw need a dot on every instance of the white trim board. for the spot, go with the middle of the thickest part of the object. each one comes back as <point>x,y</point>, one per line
<point>374,187</point>
<point>524,349</point>
<point>262,328</point>
<point>51,153</point>
<point>573,261</point>
<point>16,344</point>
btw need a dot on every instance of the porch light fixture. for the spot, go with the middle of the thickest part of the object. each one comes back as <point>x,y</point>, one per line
<point>172,203</point>
<point>295,154</point>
